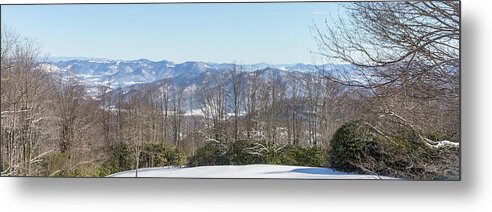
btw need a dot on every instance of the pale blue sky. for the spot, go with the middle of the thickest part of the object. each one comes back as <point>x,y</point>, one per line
<point>246,33</point>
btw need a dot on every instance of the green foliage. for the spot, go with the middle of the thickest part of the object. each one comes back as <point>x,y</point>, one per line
<point>239,153</point>
<point>298,156</point>
<point>92,169</point>
<point>348,145</point>
<point>101,171</point>
<point>310,156</point>
<point>209,155</point>
<point>55,164</point>
<point>120,158</point>
<point>356,147</point>
<point>438,136</point>
<point>177,158</point>
<point>154,155</point>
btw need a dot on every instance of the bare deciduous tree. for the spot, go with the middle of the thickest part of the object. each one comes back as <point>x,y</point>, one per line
<point>235,92</point>
<point>405,58</point>
<point>25,107</point>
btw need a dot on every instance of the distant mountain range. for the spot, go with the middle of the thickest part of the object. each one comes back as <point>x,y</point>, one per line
<point>121,73</point>
<point>129,76</point>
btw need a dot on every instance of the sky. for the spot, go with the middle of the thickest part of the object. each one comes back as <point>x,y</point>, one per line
<point>241,32</point>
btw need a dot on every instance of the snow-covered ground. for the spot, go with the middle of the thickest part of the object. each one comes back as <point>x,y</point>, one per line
<point>246,171</point>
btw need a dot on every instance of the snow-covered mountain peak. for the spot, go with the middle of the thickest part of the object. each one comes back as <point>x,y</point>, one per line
<point>121,73</point>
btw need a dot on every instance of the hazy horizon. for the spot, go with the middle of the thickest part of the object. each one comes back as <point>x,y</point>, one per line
<point>276,33</point>
<point>68,58</point>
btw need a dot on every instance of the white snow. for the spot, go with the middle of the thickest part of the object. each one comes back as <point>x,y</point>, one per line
<point>99,61</point>
<point>49,68</point>
<point>231,115</point>
<point>247,171</point>
<point>282,68</point>
<point>131,83</point>
<point>450,143</point>
<point>445,143</point>
<point>194,112</point>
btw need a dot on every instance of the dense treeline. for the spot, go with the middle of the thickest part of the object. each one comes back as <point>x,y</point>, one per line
<point>394,112</point>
